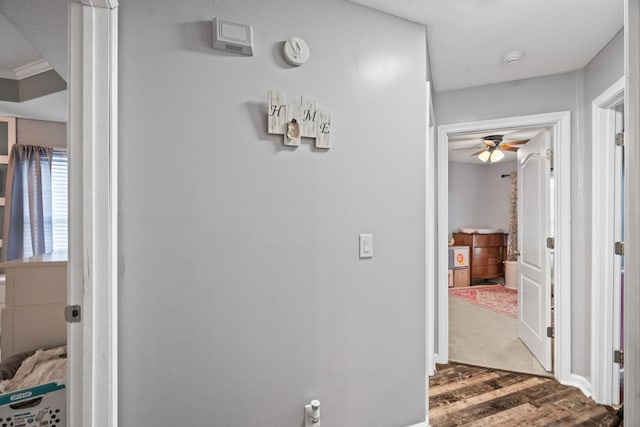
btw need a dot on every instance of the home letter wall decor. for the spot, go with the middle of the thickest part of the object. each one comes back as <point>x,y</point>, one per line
<point>294,121</point>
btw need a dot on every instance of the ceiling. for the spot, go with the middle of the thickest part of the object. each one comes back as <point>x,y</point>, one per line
<point>15,50</point>
<point>468,38</point>
<point>34,40</point>
<point>463,145</point>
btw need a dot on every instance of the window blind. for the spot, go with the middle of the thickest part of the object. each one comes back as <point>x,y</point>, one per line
<point>59,198</point>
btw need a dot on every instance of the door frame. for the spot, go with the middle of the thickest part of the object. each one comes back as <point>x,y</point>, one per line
<point>603,319</point>
<point>559,124</point>
<point>430,250</point>
<point>92,398</point>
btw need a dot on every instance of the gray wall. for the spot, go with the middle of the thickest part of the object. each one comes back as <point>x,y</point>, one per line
<point>478,196</point>
<point>242,296</point>
<point>31,87</point>
<point>40,132</point>
<point>572,91</point>
<point>559,92</point>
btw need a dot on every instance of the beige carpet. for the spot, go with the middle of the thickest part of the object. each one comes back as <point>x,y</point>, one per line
<point>481,337</point>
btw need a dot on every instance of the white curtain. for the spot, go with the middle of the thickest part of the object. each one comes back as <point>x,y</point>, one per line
<point>27,228</point>
<point>512,242</point>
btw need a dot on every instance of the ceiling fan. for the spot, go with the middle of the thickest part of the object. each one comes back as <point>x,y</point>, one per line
<point>493,148</point>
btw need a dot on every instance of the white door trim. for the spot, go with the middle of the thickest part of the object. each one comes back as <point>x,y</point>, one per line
<point>560,123</point>
<point>632,212</point>
<point>92,398</point>
<point>430,253</point>
<point>602,243</point>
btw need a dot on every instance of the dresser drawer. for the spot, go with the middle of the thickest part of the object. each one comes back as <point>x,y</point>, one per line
<point>486,261</point>
<point>483,252</point>
<point>488,240</point>
<point>487,270</point>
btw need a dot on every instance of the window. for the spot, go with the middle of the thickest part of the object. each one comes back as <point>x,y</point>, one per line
<point>59,207</point>
<point>54,204</point>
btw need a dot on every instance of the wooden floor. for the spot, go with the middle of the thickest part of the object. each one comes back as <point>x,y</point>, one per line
<point>462,395</point>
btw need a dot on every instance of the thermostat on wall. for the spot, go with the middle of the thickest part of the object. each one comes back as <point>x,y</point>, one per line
<point>232,37</point>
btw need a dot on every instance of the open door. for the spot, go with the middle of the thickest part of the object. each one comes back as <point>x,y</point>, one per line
<point>534,284</point>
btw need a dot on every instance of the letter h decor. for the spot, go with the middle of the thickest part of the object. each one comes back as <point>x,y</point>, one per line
<point>295,121</point>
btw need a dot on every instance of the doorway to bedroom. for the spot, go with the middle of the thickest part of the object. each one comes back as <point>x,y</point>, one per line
<point>490,240</point>
<point>484,244</point>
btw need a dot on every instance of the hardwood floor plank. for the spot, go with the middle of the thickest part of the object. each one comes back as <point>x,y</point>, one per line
<point>446,374</point>
<point>465,382</point>
<point>502,380</point>
<point>504,418</point>
<point>462,404</point>
<point>463,395</point>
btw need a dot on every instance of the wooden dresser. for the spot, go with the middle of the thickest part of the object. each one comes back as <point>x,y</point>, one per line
<point>487,254</point>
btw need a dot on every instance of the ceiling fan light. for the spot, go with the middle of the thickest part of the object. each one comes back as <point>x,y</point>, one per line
<point>484,156</point>
<point>496,156</point>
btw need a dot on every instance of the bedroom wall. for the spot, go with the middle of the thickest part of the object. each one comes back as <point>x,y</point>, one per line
<point>41,132</point>
<point>478,196</point>
<point>242,296</point>
<point>571,91</point>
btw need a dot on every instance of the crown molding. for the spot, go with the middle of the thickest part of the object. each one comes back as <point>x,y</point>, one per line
<point>24,71</point>
<point>8,74</point>
<point>32,69</point>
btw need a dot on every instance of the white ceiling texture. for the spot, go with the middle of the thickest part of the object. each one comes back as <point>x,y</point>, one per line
<point>34,39</point>
<point>468,39</point>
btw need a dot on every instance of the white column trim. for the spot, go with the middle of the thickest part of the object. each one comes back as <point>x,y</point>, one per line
<point>92,133</point>
<point>442,239</point>
<point>632,213</point>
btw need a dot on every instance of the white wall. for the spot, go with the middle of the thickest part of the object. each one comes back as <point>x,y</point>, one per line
<point>242,296</point>
<point>560,92</point>
<point>478,196</point>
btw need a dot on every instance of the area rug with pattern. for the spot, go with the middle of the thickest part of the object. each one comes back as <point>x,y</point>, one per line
<point>494,297</point>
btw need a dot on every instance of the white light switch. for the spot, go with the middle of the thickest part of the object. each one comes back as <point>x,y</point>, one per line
<point>366,245</point>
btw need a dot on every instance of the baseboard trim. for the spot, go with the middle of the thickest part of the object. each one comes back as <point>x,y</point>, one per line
<point>579,382</point>
<point>422,424</point>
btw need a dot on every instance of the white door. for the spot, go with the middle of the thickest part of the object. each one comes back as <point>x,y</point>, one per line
<point>534,284</point>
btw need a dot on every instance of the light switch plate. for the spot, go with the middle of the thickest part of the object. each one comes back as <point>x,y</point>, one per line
<point>366,246</point>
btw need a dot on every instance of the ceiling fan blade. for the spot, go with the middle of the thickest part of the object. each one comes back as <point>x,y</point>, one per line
<point>478,152</point>
<point>524,141</point>
<point>468,148</point>
<point>514,149</point>
<point>488,143</point>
